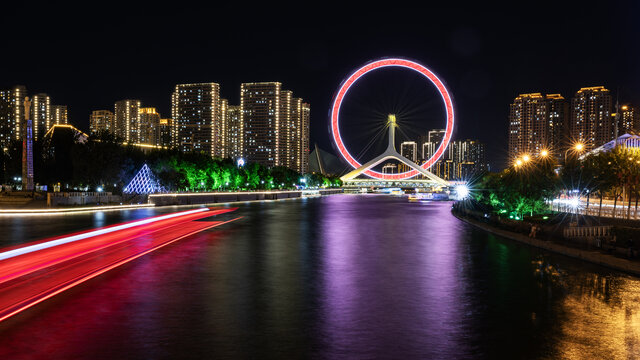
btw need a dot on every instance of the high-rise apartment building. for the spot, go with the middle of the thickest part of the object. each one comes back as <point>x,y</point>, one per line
<point>527,121</point>
<point>101,120</point>
<point>41,116</point>
<point>148,123</point>
<point>409,149</point>
<point>276,126</point>
<point>305,123</point>
<point>628,119</point>
<point>261,113</point>
<point>590,121</point>
<point>195,110</point>
<point>11,114</point>
<point>536,123</point>
<point>223,128</point>
<point>59,115</point>
<point>164,133</point>
<point>234,130</point>
<point>126,120</point>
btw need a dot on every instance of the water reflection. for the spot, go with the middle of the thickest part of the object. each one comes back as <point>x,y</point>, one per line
<point>332,277</point>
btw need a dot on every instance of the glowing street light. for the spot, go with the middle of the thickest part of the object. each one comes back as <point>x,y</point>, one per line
<point>544,153</point>
<point>462,191</point>
<point>526,158</point>
<point>518,162</point>
<point>240,162</point>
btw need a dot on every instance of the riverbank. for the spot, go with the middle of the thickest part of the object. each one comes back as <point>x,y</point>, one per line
<point>175,199</point>
<point>593,256</point>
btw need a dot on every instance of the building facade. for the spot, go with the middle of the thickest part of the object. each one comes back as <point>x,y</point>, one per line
<point>126,120</point>
<point>41,116</point>
<point>260,104</point>
<point>164,133</point>
<point>275,126</point>
<point>101,120</point>
<point>536,123</point>
<point>409,149</point>
<point>148,123</point>
<point>590,122</point>
<point>195,110</point>
<point>234,132</point>
<point>60,115</point>
<point>11,115</point>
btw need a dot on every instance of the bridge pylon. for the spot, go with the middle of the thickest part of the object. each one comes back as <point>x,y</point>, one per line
<point>392,153</point>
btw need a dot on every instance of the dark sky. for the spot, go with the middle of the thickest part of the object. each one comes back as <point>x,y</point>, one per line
<point>89,57</point>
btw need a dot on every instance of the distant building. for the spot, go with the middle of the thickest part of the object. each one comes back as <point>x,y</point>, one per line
<point>59,115</point>
<point>260,103</point>
<point>101,120</point>
<point>275,125</point>
<point>234,132</point>
<point>164,133</point>
<point>195,110</point>
<point>461,160</point>
<point>304,118</point>
<point>629,119</point>
<point>389,168</point>
<point>590,122</point>
<point>148,123</point>
<point>537,122</point>
<point>126,120</point>
<point>41,115</point>
<point>11,115</point>
<point>409,149</point>
<point>223,128</point>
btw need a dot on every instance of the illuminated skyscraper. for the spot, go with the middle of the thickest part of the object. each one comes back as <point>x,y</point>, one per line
<point>101,120</point>
<point>41,115</point>
<point>234,132</point>
<point>195,109</point>
<point>536,123</point>
<point>126,120</point>
<point>287,131</point>
<point>223,128</point>
<point>59,115</point>
<point>261,113</point>
<point>148,123</point>
<point>164,133</point>
<point>591,117</point>
<point>11,115</point>
<point>557,133</point>
<point>409,149</point>
<point>629,120</point>
<point>305,122</point>
<point>276,126</point>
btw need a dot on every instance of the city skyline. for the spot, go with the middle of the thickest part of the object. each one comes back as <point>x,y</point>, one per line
<point>480,54</point>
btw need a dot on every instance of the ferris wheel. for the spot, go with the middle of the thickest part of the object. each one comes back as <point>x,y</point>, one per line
<point>390,152</point>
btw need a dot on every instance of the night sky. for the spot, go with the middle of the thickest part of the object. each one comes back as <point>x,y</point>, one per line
<point>88,58</point>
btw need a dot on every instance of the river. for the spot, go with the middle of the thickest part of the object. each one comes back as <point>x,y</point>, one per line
<point>335,277</point>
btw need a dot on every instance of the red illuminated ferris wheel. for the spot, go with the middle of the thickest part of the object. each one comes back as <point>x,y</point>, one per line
<point>391,152</point>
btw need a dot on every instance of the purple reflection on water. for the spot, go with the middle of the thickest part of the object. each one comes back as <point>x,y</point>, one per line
<point>392,286</point>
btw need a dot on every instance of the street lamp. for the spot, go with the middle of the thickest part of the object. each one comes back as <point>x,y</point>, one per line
<point>578,147</point>
<point>526,158</point>
<point>544,153</point>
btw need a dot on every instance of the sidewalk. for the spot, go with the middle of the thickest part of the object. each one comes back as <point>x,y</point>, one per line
<point>592,256</point>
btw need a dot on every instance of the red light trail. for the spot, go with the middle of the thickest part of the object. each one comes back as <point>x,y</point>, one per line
<point>32,277</point>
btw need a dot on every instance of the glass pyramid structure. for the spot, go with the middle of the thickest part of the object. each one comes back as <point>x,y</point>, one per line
<point>143,183</point>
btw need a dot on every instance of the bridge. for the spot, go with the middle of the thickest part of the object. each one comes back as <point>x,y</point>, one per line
<point>418,176</point>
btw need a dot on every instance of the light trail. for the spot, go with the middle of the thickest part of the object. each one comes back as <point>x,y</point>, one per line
<point>25,250</point>
<point>36,276</point>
